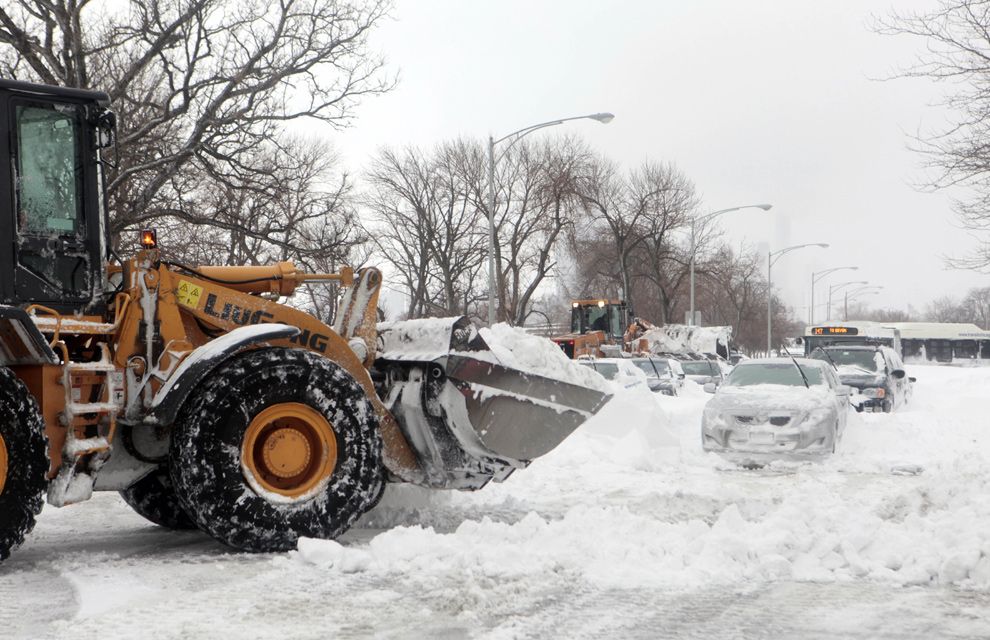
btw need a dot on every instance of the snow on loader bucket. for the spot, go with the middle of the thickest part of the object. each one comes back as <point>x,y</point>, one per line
<point>470,417</point>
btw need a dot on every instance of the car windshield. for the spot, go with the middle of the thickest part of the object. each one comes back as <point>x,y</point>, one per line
<point>607,369</point>
<point>647,367</point>
<point>862,358</point>
<point>785,373</point>
<point>698,368</point>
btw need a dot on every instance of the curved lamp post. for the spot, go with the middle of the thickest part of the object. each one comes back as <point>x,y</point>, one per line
<point>836,287</point>
<point>772,258</point>
<point>815,277</point>
<point>513,138</point>
<point>870,290</point>
<point>709,216</point>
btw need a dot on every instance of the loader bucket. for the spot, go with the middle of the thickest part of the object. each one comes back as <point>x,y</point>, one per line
<point>470,417</point>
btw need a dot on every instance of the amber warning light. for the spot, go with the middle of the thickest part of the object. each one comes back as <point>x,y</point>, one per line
<point>149,239</point>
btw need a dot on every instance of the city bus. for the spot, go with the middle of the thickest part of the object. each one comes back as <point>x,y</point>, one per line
<point>853,332</point>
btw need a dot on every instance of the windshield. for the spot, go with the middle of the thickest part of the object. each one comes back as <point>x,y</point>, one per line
<point>784,373</point>
<point>648,367</point>
<point>862,358</point>
<point>698,368</point>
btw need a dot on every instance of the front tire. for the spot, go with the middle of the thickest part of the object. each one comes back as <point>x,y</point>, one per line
<point>275,445</point>
<point>23,462</point>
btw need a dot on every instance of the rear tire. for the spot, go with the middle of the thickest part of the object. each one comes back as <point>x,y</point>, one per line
<point>23,462</point>
<point>254,463</point>
<point>153,498</point>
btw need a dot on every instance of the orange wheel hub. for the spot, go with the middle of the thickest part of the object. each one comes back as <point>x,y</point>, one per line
<point>3,463</point>
<point>289,449</point>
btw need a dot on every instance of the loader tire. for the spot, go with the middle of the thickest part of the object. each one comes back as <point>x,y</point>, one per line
<point>153,498</point>
<point>23,462</point>
<point>277,444</point>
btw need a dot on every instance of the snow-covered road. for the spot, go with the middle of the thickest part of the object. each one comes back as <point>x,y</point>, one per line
<point>626,530</point>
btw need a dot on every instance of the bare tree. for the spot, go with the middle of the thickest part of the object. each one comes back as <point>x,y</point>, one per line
<point>666,259</point>
<point>426,225</point>
<point>957,53</point>
<point>627,210</point>
<point>301,211</point>
<point>944,309</point>
<point>739,292</point>
<point>199,85</point>
<point>977,305</point>
<point>536,203</point>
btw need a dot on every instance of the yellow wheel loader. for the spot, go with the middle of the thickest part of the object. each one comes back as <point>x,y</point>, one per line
<point>198,396</point>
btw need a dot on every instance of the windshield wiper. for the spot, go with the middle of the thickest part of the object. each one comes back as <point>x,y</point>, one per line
<point>834,366</point>
<point>800,370</point>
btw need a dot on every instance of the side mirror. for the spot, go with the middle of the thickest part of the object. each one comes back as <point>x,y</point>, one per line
<point>681,375</point>
<point>912,379</point>
<point>843,390</point>
<point>898,373</point>
<point>709,387</point>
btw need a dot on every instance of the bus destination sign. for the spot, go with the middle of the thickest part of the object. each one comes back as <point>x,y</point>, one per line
<point>834,331</point>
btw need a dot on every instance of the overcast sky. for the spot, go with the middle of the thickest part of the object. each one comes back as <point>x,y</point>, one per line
<point>772,101</point>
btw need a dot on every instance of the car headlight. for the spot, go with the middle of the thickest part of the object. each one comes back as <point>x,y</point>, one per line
<point>712,417</point>
<point>817,416</point>
<point>874,392</point>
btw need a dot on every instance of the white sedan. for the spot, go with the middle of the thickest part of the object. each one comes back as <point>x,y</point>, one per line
<point>776,408</point>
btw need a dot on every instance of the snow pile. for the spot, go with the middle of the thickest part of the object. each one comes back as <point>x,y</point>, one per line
<point>681,338</point>
<point>516,349</point>
<point>641,432</point>
<point>920,537</point>
<point>423,339</point>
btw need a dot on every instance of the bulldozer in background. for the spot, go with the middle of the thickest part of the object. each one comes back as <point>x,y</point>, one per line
<point>198,396</point>
<point>598,328</point>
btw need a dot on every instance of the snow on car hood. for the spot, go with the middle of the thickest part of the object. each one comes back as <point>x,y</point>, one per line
<point>762,398</point>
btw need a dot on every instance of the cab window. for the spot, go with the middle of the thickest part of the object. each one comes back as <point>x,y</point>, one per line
<point>48,164</point>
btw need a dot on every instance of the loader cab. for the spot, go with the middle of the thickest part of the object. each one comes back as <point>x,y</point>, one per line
<point>52,227</point>
<point>610,316</point>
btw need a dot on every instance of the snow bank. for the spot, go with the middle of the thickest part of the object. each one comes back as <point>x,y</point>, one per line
<point>517,349</point>
<point>920,537</point>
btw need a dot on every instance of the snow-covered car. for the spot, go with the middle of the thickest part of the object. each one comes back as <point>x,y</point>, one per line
<point>620,371</point>
<point>776,408</point>
<point>875,373</point>
<point>663,375</point>
<point>703,371</point>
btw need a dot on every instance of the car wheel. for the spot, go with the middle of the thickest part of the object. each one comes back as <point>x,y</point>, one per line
<point>277,444</point>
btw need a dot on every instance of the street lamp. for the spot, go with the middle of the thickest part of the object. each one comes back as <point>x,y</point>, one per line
<point>513,138</point>
<point>709,216</point>
<point>772,258</point>
<point>815,277</point>
<point>836,287</point>
<point>871,290</point>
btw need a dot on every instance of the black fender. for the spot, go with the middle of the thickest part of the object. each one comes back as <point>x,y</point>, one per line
<point>20,340</point>
<point>198,364</point>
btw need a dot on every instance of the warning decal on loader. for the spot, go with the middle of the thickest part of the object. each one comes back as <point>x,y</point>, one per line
<point>188,294</point>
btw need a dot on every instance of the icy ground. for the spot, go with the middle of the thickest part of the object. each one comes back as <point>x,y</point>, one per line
<point>625,531</point>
